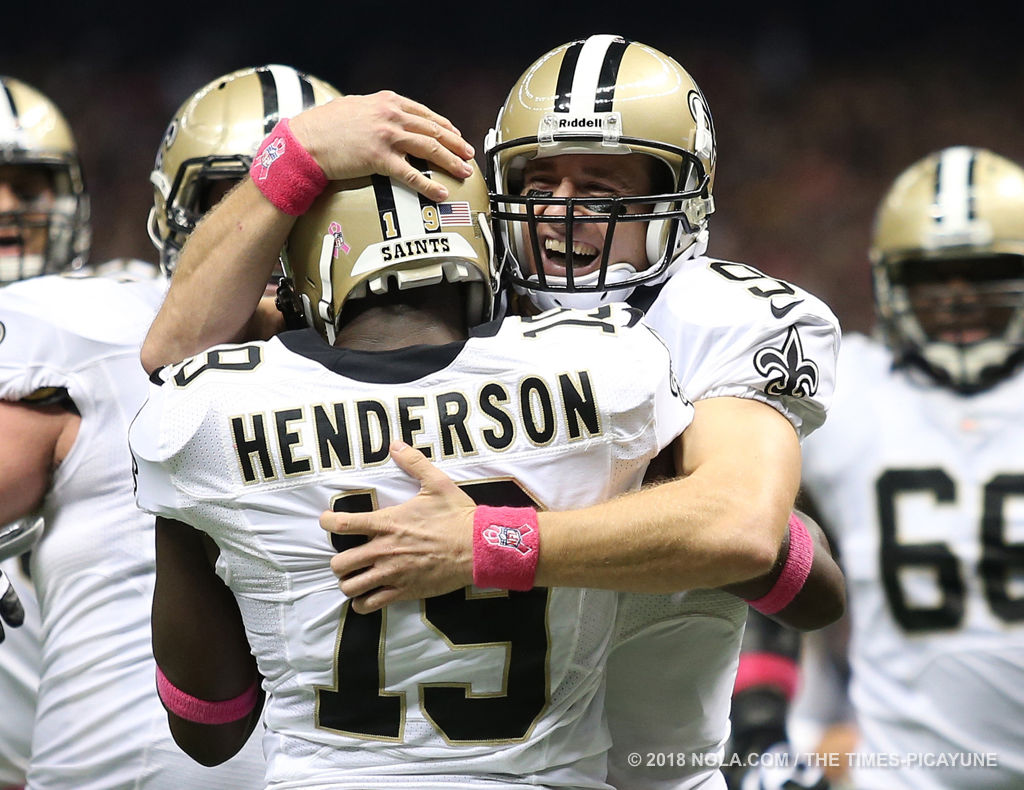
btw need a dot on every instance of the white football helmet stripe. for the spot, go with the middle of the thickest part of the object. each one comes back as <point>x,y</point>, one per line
<point>954,189</point>
<point>588,73</point>
<point>289,90</point>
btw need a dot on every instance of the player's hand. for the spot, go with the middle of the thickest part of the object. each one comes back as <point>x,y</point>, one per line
<point>11,610</point>
<point>356,136</point>
<point>779,769</point>
<point>421,548</point>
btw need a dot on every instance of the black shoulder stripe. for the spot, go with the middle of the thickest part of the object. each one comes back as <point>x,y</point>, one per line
<point>605,93</point>
<point>270,105</point>
<point>566,74</point>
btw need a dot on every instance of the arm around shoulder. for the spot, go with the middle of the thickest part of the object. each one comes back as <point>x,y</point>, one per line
<point>722,521</point>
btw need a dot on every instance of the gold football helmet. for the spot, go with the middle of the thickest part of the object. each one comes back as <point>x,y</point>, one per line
<point>210,143</point>
<point>602,95</point>
<point>48,230</point>
<point>947,257</point>
<point>367,235</point>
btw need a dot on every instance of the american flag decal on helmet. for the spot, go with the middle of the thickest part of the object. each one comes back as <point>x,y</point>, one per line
<point>454,213</point>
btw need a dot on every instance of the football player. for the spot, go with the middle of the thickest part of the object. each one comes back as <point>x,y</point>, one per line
<point>248,444</point>
<point>70,384</point>
<point>757,351</point>
<point>368,134</point>
<point>44,228</point>
<point>925,503</point>
<point>601,168</point>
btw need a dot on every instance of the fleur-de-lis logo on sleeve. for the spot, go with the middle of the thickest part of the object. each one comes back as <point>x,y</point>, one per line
<point>789,371</point>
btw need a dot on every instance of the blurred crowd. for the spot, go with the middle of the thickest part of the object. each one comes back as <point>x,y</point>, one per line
<point>810,130</point>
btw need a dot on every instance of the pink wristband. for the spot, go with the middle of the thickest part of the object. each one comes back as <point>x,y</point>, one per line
<point>767,669</point>
<point>202,711</point>
<point>506,546</point>
<point>286,173</point>
<point>794,572</point>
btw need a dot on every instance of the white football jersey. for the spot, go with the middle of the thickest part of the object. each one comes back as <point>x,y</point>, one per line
<point>735,331</point>
<point>19,679</point>
<point>732,331</point>
<point>99,722</point>
<point>923,491</point>
<point>477,688</point>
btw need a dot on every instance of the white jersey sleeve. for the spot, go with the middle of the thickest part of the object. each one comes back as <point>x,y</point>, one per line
<point>734,331</point>
<point>472,689</point>
<point>52,326</point>
<point>98,721</point>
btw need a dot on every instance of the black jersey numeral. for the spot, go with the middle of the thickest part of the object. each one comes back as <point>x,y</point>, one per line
<point>358,705</point>
<point>998,558</point>
<point>240,358</point>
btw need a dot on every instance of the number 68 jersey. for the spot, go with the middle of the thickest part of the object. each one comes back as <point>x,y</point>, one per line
<point>476,688</point>
<point>923,491</point>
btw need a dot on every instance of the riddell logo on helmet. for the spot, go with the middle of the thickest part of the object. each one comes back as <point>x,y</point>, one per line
<point>580,123</point>
<point>554,124</point>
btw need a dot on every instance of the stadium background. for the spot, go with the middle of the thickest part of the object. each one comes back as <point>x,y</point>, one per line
<point>817,106</point>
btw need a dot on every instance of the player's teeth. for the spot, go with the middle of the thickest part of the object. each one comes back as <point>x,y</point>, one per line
<point>578,248</point>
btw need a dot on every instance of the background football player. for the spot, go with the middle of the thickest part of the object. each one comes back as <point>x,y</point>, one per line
<point>918,475</point>
<point>99,722</point>
<point>44,229</point>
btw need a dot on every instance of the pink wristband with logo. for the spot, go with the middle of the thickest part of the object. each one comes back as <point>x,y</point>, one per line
<point>506,547</point>
<point>286,173</point>
<point>201,711</point>
<point>794,572</point>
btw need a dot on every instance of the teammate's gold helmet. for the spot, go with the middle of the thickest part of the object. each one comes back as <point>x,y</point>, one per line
<point>211,141</point>
<point>34,134</point>
<point>602,95</point>
<point>368,235</point>
<point>947,257</point>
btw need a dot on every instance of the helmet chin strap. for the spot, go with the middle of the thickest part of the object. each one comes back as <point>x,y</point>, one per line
<point>582,300</point>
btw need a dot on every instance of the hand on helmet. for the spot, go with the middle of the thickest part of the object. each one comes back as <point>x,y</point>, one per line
<point>356,136</point>
<point>11,610</point>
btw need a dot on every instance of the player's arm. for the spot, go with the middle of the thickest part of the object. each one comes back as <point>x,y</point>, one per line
<point>219,279</point>
<point>722,522</point>
<point>226,263</point>
<point>200,647</point>
<point>822,598</point>
<point>33,440</point>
